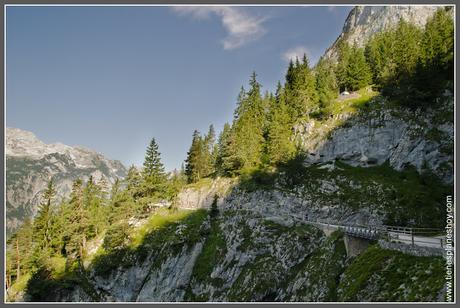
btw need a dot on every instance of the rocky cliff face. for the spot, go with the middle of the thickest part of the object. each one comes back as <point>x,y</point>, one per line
<point>202,195</point>
<point>364,21</point>
<point>258,248</point>
<point>30,164</point>
<point>424,140</point>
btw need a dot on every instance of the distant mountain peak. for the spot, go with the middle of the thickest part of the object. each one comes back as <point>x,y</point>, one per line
<point>364,21</point>
<point>30,163</point>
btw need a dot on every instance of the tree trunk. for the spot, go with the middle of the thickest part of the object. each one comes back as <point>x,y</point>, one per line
<point>8,281</point>
<point>84,243</point>
<point>18,261</point>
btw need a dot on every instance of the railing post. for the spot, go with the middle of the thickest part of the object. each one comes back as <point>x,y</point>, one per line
<point>412,235</point>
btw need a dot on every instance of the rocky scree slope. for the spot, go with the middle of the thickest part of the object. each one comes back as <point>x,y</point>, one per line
<point>30,164</point>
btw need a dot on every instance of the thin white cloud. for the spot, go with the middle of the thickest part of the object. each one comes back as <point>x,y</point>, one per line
<point>296,52</point>
<point>241,26</point>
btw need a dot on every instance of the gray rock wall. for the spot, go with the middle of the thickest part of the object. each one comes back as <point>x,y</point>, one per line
<point>399,137</point>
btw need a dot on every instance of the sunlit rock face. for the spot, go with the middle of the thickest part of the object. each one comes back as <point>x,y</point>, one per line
<point>400,137</point>
<point>30,164</point>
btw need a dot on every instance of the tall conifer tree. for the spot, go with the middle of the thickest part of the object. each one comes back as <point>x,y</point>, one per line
<point>279,144</point>
<point>43,220</point>
<point>194,163</point>
<point>326,82</point>
<point>153,172</point>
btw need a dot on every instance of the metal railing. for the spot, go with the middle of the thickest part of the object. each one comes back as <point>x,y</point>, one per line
<point>413,235</point>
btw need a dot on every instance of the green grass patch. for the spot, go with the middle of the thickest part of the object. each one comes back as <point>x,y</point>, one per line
<point>18,286</point>
<point>274,227</point>
<point>352,105</point>
<point>262,178</point>
<point>204,182</point>
<point>58,266</point>
<point>214,250</point>
<point>161,218</point>
<point>385,275</point>
<point>166,232</point>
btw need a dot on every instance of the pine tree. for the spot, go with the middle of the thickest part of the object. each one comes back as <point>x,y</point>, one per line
<point>123,201</point>
<point>435,70</point>
<point>103,188</point>
<point>353,72</point>
<point>438,42</point>
<point>176,183</point>
<point>94,199</point>
<point>43,224</point>
<point>210,137</point>
<point>226,161</point>
<point>380,51</point>
<point>116,236</point>
<point>344,53</point>
<point>133,179</point>
<point>406,48</point>
<point>301,95</point>
<point>241,108</point>
<point>279,146</point>
<point>214,155</point>
<point>290,75</point>
<point>326,82</point>
<point>153,172</point>
<point>208,151</point>
<point>78,223</point>
<point>406,62</point>
<point>268,101</point>
<point>247,139</point>
<point>358,74</point>
<point>19,251</point>
<point>194,164</point>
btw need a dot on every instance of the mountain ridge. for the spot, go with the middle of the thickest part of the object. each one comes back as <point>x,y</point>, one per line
<point>31,163</point>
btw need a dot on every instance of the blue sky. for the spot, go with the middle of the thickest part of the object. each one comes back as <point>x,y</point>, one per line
<point>111,78</point>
